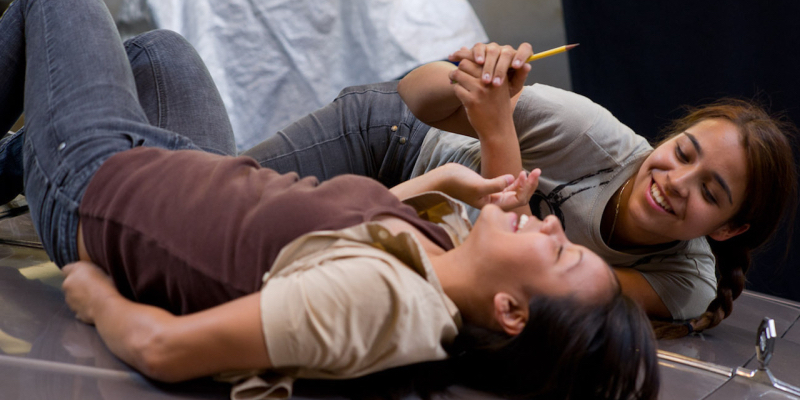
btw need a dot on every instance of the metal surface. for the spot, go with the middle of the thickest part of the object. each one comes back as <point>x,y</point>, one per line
<point>665,357</point>
<point>45,353</point>
<point>742,388</point>
<point>682,382</point>
<point>731,343</point>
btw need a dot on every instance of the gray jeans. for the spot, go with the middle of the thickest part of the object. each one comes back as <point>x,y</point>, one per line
<point>367,130</point>
<point>174,89</point>
<point>82,104</point>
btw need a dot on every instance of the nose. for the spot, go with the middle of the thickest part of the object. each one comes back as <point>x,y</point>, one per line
<point>679,180</point>
<point>552,226</point>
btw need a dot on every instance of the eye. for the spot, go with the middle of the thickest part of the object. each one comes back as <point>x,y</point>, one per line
<point>560,250</point>
<point>680,154</point>
<point>708,195</point>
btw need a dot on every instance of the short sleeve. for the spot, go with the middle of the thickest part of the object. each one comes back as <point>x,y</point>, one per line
<point>548,118</point>
<point>684,282</point>
<point>556,127</point>
<point>351,316</point>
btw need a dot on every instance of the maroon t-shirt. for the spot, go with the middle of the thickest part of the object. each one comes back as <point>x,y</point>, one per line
<point>187,230</point>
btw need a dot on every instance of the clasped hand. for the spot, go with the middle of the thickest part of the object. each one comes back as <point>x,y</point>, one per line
<point>486,79</point>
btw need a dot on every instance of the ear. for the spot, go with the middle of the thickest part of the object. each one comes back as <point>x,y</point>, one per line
<point>510,313</point>
<point>726,232</point>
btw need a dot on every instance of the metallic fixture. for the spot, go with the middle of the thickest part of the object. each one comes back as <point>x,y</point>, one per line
<point>765,345</point>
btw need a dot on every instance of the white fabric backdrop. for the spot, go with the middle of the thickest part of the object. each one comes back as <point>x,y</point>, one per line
<point>276,60</point>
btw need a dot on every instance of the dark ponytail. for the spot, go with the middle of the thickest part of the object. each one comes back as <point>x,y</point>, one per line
<point>771,197</point>
<point>566,351</point>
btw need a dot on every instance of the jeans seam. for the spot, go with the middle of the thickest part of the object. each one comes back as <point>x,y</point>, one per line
<point>160,91</point>
<point>365,90</point>
<point>333,139</point>
<point>312,146</point>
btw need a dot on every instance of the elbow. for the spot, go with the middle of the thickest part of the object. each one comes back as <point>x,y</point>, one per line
<point>155,356</point>
<point>402,90</point>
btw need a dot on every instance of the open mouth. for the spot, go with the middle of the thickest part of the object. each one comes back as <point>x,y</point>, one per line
<point>658,197</point>
<point>521,222</point>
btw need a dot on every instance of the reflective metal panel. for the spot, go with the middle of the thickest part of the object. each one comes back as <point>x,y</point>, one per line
<point>682,382</point>
<point>741,388</point>
<point>785,362</point>
<point>731,344</point>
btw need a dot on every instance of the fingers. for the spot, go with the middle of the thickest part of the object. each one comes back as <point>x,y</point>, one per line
<point>68,269</point>
<point>500,184</point>
<point>528,184</point>
<point>524,51</point>
<point>85,286</point>
<point>498,62</point>
<point>521,190</point>
<point>462,54</point>
<point>517,79</point>
<point>81,268</point>
<point>466,68</point>
<point>467,81</point>
<point>479,53</point>
<point>533,178</point>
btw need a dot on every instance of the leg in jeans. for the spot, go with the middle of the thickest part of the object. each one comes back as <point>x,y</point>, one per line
<point>81,107</point>
<point>177,92</point>
<point>367,130</point>
<point>174,89</point>
<point>12,83</point>
<point>12,70</point>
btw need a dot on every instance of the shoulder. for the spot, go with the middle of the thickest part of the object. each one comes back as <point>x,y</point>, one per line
<point>346,313</point>
<point>549,118</point>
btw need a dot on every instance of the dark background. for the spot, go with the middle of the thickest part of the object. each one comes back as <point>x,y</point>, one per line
<point>644,60</point>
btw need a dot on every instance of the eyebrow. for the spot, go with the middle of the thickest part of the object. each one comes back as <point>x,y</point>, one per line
<point>576,263</point>
<point>717,176</point>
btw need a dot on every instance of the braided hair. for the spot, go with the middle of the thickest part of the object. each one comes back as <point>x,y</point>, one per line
<point>771,188</point>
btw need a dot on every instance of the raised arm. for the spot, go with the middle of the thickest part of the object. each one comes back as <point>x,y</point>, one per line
<point>477,98</point>
<point>430,95</point>
<point>163,346</point>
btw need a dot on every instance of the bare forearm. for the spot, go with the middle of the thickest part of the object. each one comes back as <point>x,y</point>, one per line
<point>636,286</point>
<point>500,152</point>
<point>176,348</point>
<point>163,346</point>
<point>129,330</point>
<point>429,95</point>
<point>430,181</point>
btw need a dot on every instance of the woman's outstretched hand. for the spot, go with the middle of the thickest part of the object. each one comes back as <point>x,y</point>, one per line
<point>505,191</point>
<point>85,287</point>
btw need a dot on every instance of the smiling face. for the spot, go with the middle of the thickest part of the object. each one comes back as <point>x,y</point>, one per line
<point>536,256</point>
<point>690,186</point>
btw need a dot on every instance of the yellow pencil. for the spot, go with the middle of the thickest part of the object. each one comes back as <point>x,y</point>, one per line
<point>551,52</point>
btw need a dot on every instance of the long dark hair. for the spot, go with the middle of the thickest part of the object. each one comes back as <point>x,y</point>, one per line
<point>771,197</point>
<point>567,350</point>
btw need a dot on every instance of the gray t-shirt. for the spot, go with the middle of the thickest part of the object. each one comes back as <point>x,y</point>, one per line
<point>585,155</point>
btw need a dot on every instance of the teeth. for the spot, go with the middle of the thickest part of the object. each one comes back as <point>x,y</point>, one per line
<point>523,219</point>
<point>659,198</point>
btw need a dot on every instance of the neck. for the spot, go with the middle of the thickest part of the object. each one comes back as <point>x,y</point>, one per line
<point>610,225</point>
<point>463,286</point>
<point>627,233</point>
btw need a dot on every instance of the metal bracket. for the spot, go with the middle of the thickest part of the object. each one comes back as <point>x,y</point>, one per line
<point>765,346</point>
